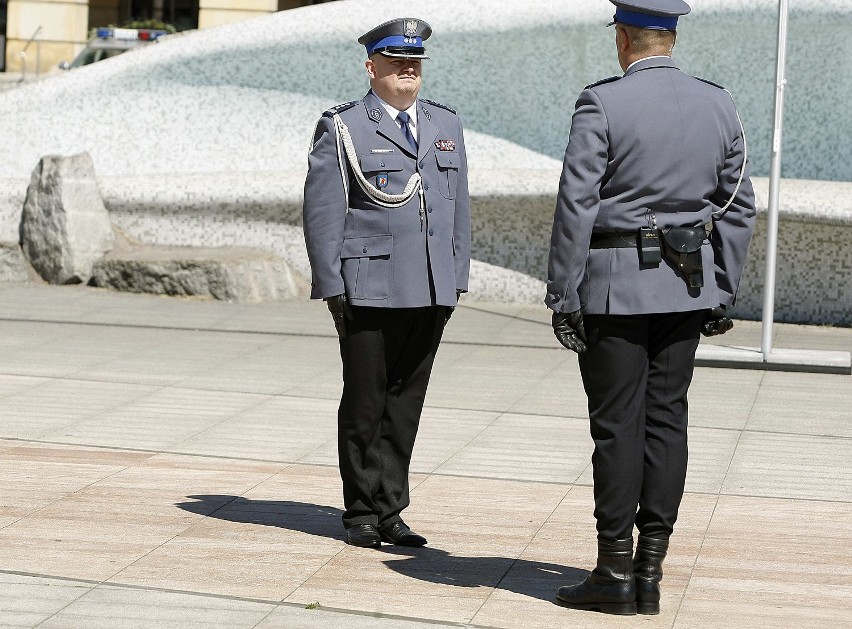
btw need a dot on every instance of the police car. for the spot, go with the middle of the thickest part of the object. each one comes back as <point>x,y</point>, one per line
<point>109,42</point>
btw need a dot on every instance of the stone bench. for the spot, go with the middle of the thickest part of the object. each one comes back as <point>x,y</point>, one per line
<point>225,273</point>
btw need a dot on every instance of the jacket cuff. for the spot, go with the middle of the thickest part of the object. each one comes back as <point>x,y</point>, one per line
<point>562,303</point>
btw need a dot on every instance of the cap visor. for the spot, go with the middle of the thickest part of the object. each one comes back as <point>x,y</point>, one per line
<point>404,55</point>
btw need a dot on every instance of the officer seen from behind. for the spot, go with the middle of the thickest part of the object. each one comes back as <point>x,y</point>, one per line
<point>653,221</point>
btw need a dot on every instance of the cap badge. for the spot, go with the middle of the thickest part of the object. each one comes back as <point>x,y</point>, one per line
<point>445,145</point>
<point>411,28</point>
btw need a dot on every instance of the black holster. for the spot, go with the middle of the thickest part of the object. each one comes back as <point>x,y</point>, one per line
<point>682,247</point>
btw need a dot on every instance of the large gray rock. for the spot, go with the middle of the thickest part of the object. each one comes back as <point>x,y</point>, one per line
<point>65,227</point>
<point>226,273</point>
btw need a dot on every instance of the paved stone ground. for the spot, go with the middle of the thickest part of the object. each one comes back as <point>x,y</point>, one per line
<point>171,463</point>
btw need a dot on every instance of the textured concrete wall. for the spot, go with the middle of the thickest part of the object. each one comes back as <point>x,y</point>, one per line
<point>202,139</point>
<point>244,97</point>
<point>512,215</point>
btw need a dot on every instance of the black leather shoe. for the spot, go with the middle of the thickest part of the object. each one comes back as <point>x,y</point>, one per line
<point>648,571</point>
<point>610,587</point>
<point>363,535</point>
<point>398,533</point>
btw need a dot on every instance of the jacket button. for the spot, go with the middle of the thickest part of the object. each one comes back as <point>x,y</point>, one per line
<point>422,164</point>
<point>425,187</point>
<point>383,164</point>
<point>364,250</point>
<point>431,233</point>
<point>430,210</point>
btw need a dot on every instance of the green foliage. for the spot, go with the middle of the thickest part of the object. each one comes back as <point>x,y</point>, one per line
<point>152,24</point>
<point>314,605</point>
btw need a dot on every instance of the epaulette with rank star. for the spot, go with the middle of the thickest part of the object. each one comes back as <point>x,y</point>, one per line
<point>431,102</point>
<point>710,83</point>
<point>602,82</point>
<point>338,108</point>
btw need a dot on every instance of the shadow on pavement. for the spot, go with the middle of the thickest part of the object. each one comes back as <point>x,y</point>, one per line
<point>528,578</point>
<point>307,518</point>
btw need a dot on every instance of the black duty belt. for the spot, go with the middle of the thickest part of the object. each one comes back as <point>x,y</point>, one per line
<point>681,246</point>
<point>620,240</point>
<point>613,240</point>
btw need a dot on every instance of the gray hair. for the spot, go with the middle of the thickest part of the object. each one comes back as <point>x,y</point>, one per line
<point>651,41</point>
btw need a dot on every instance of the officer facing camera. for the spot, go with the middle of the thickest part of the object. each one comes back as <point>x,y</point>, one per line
<point>652,225</point>
<point>387,228</point>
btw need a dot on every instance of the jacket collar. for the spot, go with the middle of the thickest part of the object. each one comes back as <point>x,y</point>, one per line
<point>650,62</point>
<point>386,125</point>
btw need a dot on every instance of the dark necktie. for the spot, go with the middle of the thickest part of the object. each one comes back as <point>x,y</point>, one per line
<point>404,119</point>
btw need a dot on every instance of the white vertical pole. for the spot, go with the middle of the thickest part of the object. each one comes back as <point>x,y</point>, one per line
<point>774,184</point>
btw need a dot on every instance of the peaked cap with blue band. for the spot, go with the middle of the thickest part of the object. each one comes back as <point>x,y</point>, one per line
<point>653,14</point>
<point>402,37</point>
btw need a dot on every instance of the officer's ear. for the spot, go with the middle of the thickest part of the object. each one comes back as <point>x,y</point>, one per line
<point>622,38</point>
<point>371,68</point>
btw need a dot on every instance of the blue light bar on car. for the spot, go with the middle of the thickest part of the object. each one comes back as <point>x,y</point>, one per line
<point>146,34</point>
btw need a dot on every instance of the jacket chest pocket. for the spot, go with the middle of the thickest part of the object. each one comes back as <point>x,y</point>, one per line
<point>448,172</point>
<point>367,267</point>
<point>382,170</point>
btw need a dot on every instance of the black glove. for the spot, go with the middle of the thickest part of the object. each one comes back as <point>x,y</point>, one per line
<point>338,306</point>
<point>569,330</point>
<point>716,321</point>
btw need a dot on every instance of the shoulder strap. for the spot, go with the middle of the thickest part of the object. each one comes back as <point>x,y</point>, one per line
<point>602,82</point>
<point>330,113</point>
<point>431,102</point>
<point>710,83</point>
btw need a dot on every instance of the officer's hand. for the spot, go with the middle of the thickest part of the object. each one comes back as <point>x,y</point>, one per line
<point>716,321</point>
<point>340,311</point>
<point>569,330</point>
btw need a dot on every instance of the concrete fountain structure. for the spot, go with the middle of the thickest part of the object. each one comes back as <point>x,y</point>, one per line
<point>201,140</point>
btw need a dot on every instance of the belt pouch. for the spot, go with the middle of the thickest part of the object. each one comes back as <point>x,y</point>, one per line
<point>682,247</point>
<point>649,246</point>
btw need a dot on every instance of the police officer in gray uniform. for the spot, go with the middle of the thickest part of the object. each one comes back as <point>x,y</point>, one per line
<point>653,221</point>
<point>387,227</point>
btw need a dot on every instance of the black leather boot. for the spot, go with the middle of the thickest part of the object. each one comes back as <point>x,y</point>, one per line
<point>610,587</point>
<point>648,570</point>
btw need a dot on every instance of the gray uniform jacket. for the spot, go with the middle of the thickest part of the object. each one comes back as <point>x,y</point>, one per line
<point>655,140</point>
<point>389,257</point>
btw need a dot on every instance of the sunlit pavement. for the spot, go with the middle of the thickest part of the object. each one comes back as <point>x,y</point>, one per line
<point>172,463</point>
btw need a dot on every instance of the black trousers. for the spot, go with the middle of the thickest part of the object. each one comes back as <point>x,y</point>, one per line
<point>387,360</point>
<point>636,374</point>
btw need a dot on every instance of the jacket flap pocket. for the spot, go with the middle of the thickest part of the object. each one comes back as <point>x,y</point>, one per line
<point>367,246</point>
<point>448,159</point>
<point>373,162</point>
